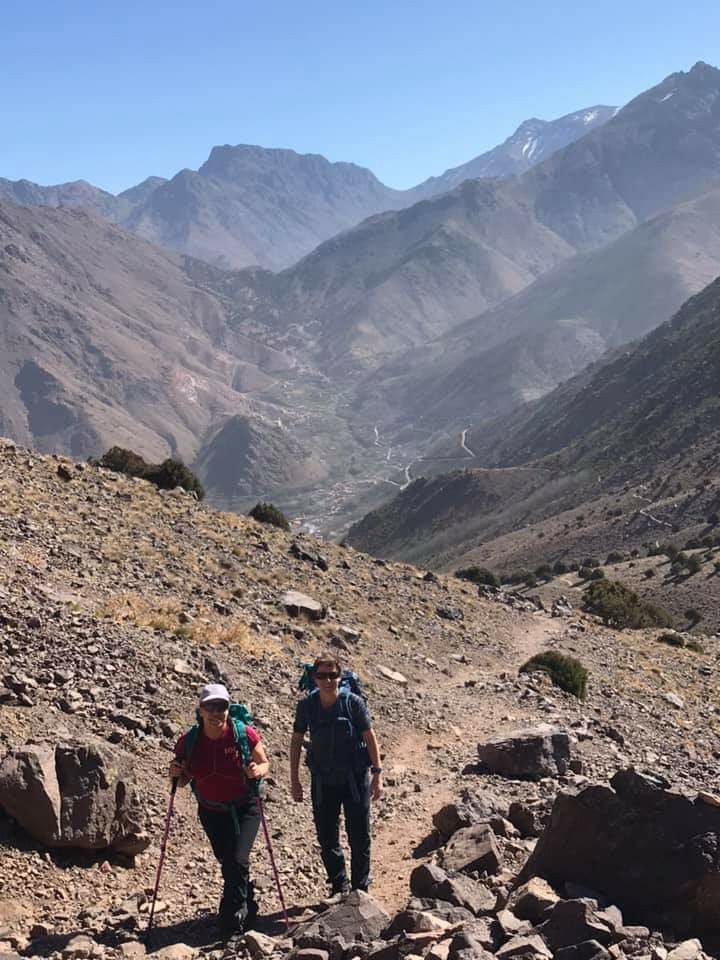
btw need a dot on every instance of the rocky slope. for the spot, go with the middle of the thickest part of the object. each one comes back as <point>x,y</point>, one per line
<point>116,601</point>
<point>629,447</point>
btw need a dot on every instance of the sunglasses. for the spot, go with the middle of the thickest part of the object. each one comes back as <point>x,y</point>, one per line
<point>215,706</point>
<point>322,675</point>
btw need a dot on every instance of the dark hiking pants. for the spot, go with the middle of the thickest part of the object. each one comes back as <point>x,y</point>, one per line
<point>231,846</point>
<point>328,800</point>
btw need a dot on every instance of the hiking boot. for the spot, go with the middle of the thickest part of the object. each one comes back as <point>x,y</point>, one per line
<point>231,924</point>
<point>337,894</point>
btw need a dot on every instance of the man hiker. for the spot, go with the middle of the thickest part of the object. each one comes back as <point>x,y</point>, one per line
<point>344,762</point>
<point>211,759</point>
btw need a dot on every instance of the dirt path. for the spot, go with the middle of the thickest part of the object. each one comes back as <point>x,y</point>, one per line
<point>395,837</point>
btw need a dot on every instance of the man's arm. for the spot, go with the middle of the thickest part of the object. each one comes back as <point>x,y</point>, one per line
<point>374,754</point>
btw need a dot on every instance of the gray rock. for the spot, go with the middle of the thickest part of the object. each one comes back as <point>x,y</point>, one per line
<point>652,850</point>
<point>358,917</point>
<point>571,922</point>
<point>532,946</point>
<point>75,794</point>
<point>473,849</point>
<point>301,605</point>
<point>533,900</point>
<point>528,754</point>
<point>587,950</point>
<point>687,950</point>
<point>454,816</point>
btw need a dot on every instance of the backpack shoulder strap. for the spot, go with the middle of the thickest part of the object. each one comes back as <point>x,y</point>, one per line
<point>240,737</point>
<point>189,741</point>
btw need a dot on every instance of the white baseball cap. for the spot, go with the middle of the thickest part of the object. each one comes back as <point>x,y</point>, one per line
<point>214,691</point>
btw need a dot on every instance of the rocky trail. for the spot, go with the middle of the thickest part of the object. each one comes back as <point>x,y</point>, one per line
<point>117,601</point>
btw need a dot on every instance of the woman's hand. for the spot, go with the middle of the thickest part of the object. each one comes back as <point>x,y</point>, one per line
<point>254,771</point>
<point>177,771</point>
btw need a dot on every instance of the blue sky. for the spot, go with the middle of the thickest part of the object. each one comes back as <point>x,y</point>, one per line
<point>114,92</point>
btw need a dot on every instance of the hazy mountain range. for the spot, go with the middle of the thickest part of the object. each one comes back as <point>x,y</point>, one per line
<point>322,384</point>
<point>252,205</point>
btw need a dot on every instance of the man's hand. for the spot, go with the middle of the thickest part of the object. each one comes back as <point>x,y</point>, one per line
<point>297,791</point>
<point>376,786</point>
<point>177,772</point>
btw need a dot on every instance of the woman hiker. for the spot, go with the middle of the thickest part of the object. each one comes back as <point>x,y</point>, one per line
<point>344,762</point>
<point>227,805</point>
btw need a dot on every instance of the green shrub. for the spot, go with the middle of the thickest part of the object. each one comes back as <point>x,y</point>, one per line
<point>173,473</point>
<point>619,606</point>
<point>559,568</point>
<point>693,564</point>
<point>121,460</point>
<point>695,646</point>
<point>614,557</point>
<point>269,513</point>
<point>530,580</point>
<point>693,615</point>
<point>167,475</point>
<point>585,573</point>
<point>544,572</point>
<point>671,639</point>
<point>565,672</point>
<point>479,575</point>
<point>597,573</point>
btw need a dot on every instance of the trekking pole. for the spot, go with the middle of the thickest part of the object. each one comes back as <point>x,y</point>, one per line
<point>255,787</point>
<point>163,848</point>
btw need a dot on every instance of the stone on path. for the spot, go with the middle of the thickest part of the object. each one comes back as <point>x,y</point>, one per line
<point>357,917</point>
<point>531,754</point>
<point>473,849</point>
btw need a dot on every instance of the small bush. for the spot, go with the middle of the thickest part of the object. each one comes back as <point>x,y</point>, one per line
<point>693,615</point>
<point>671,639</point>
<point>120,460</point>
<point>544,572</point>
<point>614,557</point>
<point>167,475</point>
<point>695,646</point>
<point>480,575</point>
<point>173,473</point>
<point>620,607</point>
<point>531,580</point>
<point>693,564</point>
<point>269,513</point>
<point>565,672</point>
<point>559,568</point>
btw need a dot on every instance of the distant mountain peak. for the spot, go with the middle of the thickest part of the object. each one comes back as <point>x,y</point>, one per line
<point>533,141</point>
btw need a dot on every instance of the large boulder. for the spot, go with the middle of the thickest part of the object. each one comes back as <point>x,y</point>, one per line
<point>75,794</point>
<point>652,850</point>
<point>542,751</point>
